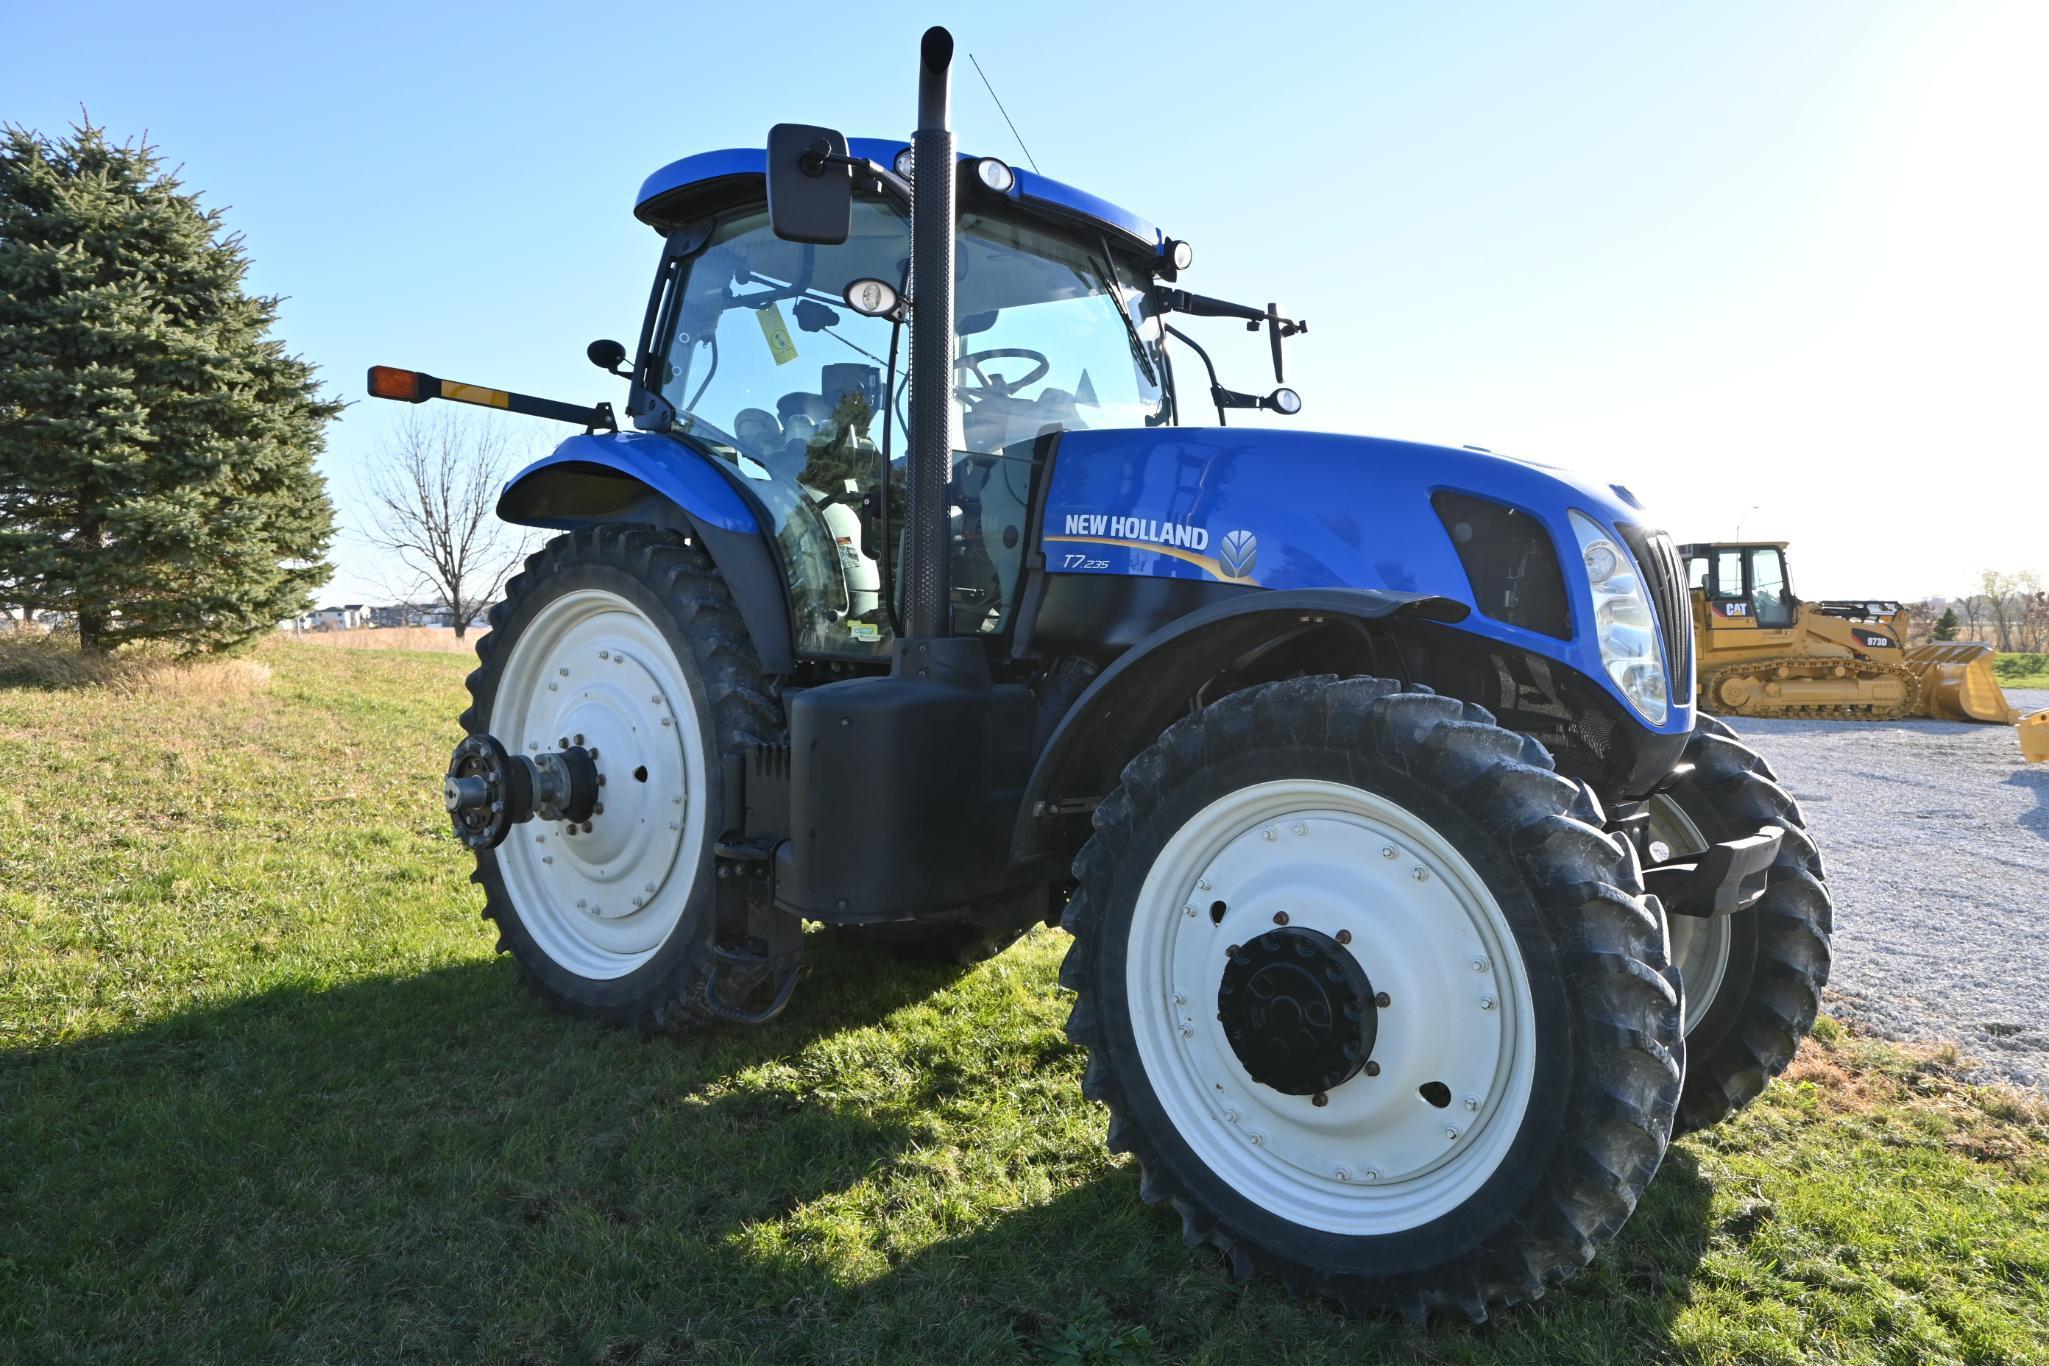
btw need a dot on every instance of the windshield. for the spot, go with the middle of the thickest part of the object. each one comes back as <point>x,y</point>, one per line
<point>767,367</point>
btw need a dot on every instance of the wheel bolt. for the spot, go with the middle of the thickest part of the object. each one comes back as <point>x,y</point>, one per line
<point>1473,1103</point>
<point>1301,829</point>
<point>1387,852</point>
<point>1231,1115</point>
<point>597,809</point>
<point>1280,917</point>
<point>1270,834</point>
<point>1486,1003</point>
<point>1188,911</point>
<point>1202,884</point>
<point>604,654</point>
<point>563,672</point>
<point>1344,1173</point>
<point>601,780</point>
<point>1319,1100</point>
<point>1186,1032</point>
<point>1371,1173</point>
<point>1383,1000</point>
<point>1479,965</point>
<point>1451,1133</point>
<point>1372,1068</point>
<point>562,743</point>
<point>579,739</point>
<point>1180,998</point>
<point>1421,875</point>
<point>1255,1138</point>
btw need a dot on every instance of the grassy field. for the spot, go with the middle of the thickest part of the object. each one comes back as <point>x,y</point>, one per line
<point>265,1092</point>
<point>2022,671</point>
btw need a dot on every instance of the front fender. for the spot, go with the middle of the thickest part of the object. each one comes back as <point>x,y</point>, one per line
<point>645,477</point>
<point>541,495</point>
<point>1127,705</point>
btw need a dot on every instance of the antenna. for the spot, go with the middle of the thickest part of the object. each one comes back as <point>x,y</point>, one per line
<point>1006,114</point>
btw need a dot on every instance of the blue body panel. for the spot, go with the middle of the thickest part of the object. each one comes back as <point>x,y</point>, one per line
<point>669,467</point>
<point>1031,187</point>
<point>1322,511</point>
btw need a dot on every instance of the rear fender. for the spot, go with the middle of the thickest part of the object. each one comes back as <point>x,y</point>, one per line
<point>1150,685</point>
<point>644,477</point>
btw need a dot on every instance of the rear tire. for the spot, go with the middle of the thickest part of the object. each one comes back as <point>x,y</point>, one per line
<point>1519,1088</point>
<point>621,638</point>
<point>1746,1018</point>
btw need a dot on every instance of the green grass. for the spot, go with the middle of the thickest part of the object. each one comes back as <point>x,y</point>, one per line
<point>265,1092</point>
<point>2022,671</point>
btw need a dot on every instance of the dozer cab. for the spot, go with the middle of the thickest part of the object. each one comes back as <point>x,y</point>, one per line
<point>1413,908</point>
<point>1762,651</point>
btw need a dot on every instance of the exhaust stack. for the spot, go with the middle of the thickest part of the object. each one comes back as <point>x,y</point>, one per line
<point>932,250</point>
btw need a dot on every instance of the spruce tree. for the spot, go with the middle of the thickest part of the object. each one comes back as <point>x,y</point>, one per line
<point>1947,626</point>
<point>157,445</point>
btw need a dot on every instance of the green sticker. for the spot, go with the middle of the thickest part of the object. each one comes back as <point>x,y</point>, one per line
<point>778,333</point>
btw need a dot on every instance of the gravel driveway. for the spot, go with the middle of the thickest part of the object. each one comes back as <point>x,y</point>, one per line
<point>1936,836</point>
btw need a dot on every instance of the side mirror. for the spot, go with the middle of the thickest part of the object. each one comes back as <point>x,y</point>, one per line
<point>872,298</point>
<point>607,355</point>
<point>810,194</point>
<point>1283,401</point>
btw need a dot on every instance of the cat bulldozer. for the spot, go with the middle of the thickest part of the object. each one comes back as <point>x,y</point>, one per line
<point>1761,651</point>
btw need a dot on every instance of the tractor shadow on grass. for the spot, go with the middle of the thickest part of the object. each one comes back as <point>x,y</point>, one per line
<point>429,1165</point>
<point>433,1166</point>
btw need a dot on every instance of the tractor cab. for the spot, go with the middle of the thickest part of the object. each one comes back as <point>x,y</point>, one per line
<point>757,357</point>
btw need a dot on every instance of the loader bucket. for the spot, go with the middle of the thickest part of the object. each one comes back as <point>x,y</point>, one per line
<point>2035,738</point>
<point>1957,683</point>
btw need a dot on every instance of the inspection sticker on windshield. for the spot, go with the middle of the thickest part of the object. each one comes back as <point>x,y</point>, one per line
<point>778,333</point>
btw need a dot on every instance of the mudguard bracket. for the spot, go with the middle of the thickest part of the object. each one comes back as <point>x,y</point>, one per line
<point>1720,880</point>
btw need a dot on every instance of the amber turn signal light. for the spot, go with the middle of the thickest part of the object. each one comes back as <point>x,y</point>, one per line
<point>407,386</point>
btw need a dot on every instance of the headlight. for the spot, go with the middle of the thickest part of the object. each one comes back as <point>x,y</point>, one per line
<point>1624,624</point>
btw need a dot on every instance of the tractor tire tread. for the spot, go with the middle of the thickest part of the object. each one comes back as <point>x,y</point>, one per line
<point>1615,946</point>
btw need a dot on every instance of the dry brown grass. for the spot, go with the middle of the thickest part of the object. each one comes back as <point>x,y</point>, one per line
<point>437,638</point>
<point>50,662</point>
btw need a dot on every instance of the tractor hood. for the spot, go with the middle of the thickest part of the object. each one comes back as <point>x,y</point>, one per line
<point>1274,509</point>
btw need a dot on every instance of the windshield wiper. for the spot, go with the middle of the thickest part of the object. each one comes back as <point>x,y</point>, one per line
<point>1109,268</point>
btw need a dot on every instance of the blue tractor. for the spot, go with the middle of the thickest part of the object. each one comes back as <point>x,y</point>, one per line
<point>1414,907</point>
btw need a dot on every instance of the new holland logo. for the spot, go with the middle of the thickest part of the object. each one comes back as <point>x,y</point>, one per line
<point>1238,554</point>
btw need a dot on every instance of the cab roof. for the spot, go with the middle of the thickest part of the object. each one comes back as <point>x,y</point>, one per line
<point>683,189</point>
<point>1705,547</point>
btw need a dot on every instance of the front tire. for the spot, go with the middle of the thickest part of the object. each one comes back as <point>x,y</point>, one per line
<point>621,639</point>
<point>1516,1090</point>
<point>1752,980</point>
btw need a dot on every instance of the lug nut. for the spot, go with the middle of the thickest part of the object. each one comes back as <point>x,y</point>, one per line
<point>1301,829</point>
<point>1371,1173</point>
<point>1451,1133</point>
<point>1319,1100</point>
<point>1280,917</point>
<point>1372,1068</point>
<point>1231,1115</point>
<point>1344,936</point>
<point>1387,852</point>
<point>1486,1003</point>
<point>579,739</point>
<point>1202,884</point>
<point>1421,875</point>
<point>1180,998</point>
<point>1472,1104</point>
<point>1344,1173</point>
<point>1479,965</point>
<point>1271,834</point>
<point>562,743</point>
<point>1383,1000</point>
<point>1188,911</point>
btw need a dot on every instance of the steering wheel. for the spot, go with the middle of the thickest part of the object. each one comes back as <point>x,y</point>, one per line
<point>999,387</point>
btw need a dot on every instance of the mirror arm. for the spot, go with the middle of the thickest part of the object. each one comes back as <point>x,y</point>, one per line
<point>888,181</point>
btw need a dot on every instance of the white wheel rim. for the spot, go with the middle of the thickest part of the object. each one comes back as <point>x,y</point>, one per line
<point>590,664</point>
<point>1700,948</point>
<point>1379,1157</point>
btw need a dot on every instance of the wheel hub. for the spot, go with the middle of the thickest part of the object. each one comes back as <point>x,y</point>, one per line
<point>1298,1011</point>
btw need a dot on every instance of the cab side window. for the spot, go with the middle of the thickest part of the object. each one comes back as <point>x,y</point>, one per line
<point>1729,574</point>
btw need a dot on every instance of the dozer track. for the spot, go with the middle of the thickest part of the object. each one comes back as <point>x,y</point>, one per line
<point>1812,687</point>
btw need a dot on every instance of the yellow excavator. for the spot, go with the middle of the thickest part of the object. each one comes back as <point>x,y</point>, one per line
<point>1761,651</point>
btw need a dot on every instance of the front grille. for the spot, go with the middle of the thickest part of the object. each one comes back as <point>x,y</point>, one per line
<point>1664,582</point>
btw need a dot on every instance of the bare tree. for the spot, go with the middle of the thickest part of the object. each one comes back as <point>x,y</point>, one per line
<point>434,495</point>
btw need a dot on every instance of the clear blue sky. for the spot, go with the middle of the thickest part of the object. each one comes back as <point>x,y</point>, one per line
<point>1788,255</point>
